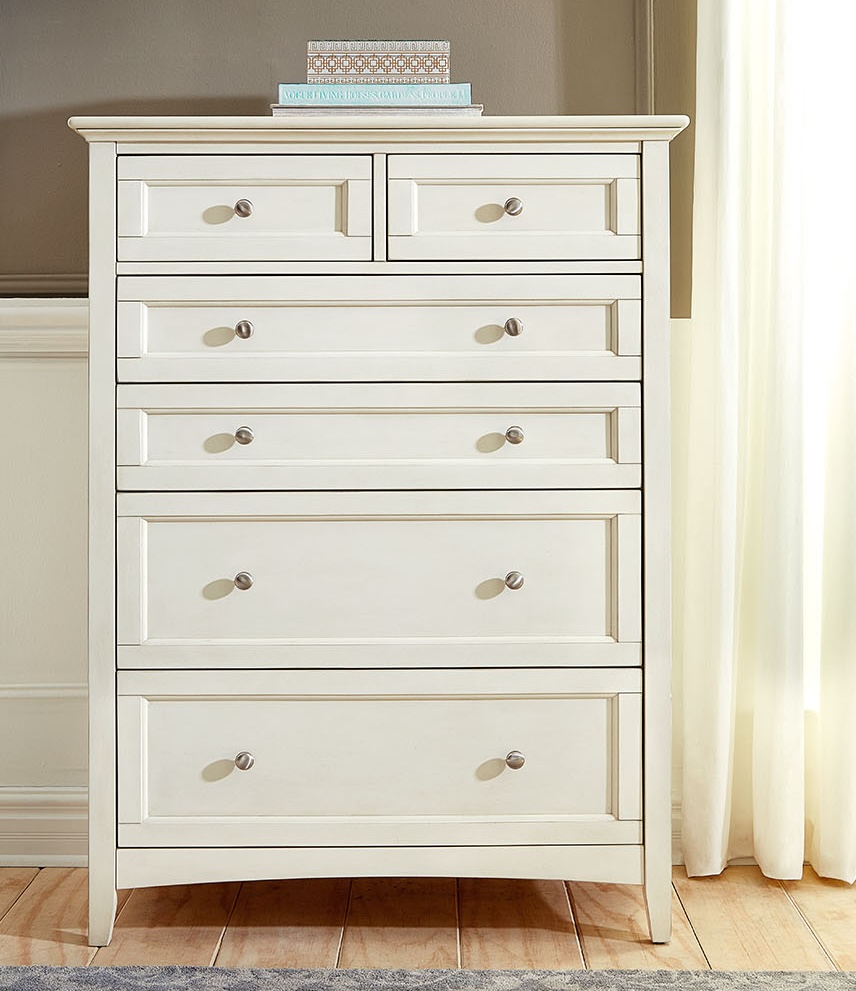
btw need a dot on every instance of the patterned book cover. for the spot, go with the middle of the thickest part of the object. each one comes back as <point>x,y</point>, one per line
<point>376,45</point>
<point>365,94</point>
<point>378,61</point>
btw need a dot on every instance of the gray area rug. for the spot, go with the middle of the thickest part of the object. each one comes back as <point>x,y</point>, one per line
<point>222,979</point>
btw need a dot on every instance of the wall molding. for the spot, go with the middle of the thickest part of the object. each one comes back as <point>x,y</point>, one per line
<point>63,284</point>
<point>44,328</point>
<point>44,690</point>
<point>43,827</point>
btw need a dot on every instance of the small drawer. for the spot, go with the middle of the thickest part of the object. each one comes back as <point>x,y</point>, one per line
<point>369,758</point>
<point>458,207</point>
<point>361,436</point>
<point>201,208</point>
<point>382,579</point>
<point>386,328</point>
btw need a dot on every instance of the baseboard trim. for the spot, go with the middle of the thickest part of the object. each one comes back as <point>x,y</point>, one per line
<point>43,827</point>
<point>47,827</point>
<point>677,843</point>
<point>44,328</point>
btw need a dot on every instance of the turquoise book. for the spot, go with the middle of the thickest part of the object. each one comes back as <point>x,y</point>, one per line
<point>374,94</point>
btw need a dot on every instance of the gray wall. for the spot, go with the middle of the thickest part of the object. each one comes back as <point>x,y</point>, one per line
<point>674,83</point>
<point>59,58</point>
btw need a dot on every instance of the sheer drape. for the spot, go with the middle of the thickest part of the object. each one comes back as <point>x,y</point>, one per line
<point>764,476</point>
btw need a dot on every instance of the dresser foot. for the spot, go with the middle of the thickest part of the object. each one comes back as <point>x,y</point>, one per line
<point>658,903</point>
<point>102,915</point>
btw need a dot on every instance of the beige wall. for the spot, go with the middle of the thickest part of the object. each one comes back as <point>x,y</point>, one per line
<point>65,57</point>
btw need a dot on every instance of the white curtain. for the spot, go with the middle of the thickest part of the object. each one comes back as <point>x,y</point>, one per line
<point>765,450</point>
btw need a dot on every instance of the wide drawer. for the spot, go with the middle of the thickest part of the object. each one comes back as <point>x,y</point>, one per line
<point>244,208</point>
<point>397,579</point>
<point>372,758</point>
<point>513,207</point>
<point>475,435</point>
<point>383,328</point>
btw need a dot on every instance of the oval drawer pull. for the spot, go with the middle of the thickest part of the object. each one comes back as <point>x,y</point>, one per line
<point>244,208</point>
<point>245,435</point>
<point>513,327</point>
<point>514,435</point>
<point>513,206</point>
<point>514,580</point>
<point>244,329</point>
<point>515,760</point>
<point>244,761</point>
<point>243,580</point>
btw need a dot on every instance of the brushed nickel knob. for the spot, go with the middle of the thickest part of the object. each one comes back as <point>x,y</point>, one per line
<point>514,435</point>
<point>513,580</point>
<point>244,329</point>
<point>515,760</point>
<point>244,761</point>
<point>243,580</point>
<point>513,327</point>
<point>513,206</point>
<point>244,208</point>
<point>244,435</point>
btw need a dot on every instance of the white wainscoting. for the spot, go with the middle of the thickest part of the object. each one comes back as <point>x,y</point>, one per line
<point>43,344</point>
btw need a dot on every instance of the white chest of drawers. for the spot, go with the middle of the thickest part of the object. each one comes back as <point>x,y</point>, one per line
<point>379,566</point>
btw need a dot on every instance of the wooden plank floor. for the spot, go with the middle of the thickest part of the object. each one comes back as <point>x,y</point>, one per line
<point>737,921</point>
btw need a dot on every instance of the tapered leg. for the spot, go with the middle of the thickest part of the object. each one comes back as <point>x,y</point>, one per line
<point>658,903</point>
<point>102,912</point>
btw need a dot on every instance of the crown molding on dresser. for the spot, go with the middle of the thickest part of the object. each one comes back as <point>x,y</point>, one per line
<point>366,130</point>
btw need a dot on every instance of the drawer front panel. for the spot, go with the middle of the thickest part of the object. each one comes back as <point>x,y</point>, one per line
<point>194,208</point>
<point>401,328</point>
<point>371,436</point>
<point>463,206</point>
<point>322,766</point>
<point>385,575</point>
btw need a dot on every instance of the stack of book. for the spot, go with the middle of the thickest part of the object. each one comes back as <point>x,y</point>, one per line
<point>377,77</point>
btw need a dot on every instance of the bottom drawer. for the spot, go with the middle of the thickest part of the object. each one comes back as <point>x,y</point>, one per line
<point>371,758</point>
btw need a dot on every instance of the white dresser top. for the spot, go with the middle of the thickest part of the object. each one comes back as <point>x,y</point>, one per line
<point>391,129</point>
